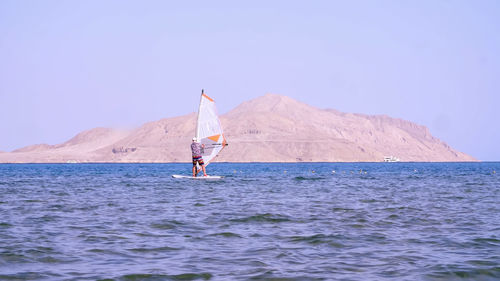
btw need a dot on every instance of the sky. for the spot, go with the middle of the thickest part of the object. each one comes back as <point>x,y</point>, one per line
<point>69,66</point>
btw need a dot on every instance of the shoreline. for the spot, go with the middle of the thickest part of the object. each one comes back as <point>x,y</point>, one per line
<point>256,162</point>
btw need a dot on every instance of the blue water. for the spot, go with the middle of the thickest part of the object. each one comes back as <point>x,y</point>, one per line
<point>308,221</point>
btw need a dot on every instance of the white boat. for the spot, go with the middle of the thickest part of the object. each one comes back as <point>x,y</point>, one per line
<point>208,131</point>
<point>391,159</point>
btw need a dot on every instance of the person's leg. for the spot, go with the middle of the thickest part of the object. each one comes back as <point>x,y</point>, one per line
<point>194,169</point>
<point>204,171</point>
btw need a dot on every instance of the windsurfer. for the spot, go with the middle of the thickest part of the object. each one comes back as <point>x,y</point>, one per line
<point>197,150</point>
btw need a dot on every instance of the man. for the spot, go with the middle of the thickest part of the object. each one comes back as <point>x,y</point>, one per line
<point>197,150</point>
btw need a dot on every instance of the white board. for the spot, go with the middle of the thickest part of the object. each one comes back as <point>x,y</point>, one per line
<point>196,178</point>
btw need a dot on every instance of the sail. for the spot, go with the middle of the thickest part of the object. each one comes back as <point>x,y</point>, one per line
<point>208,129</point>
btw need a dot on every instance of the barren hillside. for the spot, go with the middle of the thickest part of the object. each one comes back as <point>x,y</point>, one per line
<point>271,128</point>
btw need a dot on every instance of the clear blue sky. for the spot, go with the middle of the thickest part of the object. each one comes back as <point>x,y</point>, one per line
<point>68,66</point>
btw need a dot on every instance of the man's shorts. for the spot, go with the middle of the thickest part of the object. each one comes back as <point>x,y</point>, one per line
<point>198,160</point>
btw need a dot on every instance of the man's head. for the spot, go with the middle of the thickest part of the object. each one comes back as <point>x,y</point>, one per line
<point>195,139</point>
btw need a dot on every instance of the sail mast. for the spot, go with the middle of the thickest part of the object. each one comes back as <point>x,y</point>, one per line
<point>198,118</point>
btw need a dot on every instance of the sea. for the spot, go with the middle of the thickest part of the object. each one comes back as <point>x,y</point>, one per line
<point>262,221</point>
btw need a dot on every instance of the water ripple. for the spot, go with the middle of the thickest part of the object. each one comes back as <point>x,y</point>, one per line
<point>366,221</point>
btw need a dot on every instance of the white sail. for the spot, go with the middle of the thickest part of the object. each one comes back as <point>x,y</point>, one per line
<point>209,130</point>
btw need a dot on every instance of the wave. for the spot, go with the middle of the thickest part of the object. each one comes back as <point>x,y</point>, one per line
<point>332,240</point>
<point>301,178</point>
<point>443,272</point>
<point>167,224</point>
<point>158,249</point>
<point>226,234</point>
<point>183,276</point>
<point>267,217</point>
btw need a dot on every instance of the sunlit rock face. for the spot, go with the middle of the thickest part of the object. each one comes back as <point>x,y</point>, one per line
<point>271,128</point>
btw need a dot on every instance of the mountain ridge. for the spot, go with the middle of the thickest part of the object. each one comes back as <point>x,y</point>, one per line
<point>270,128</point>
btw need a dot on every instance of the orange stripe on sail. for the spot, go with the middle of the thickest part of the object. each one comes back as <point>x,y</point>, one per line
<point>209,98</point>
<point>214,138</point>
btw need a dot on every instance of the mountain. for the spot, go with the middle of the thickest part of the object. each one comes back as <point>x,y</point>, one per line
<point>81,148</point>
<point>271,128</point>
<point>278,128</point>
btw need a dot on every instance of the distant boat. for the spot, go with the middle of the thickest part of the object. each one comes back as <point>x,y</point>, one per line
<point>391,159</point>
